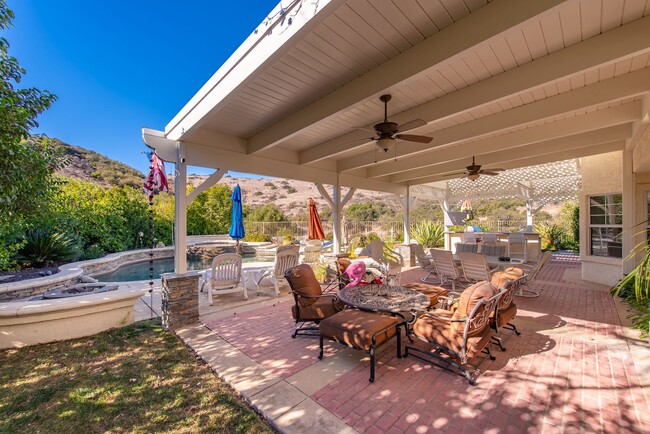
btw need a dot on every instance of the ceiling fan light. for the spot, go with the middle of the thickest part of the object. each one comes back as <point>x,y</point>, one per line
<point>385,143</point>
<point>473,176</point>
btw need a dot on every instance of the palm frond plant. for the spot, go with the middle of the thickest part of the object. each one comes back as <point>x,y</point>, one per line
<point>45,246</point>
<point>428,234</point>
<point>550,234</point>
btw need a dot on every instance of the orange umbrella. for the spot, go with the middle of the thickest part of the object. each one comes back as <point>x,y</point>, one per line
<point>315,227</point>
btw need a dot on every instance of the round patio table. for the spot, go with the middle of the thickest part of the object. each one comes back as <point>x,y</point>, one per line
<point>384,298</point>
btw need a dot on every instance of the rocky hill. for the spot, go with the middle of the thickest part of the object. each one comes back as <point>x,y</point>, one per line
<point>89,165</point>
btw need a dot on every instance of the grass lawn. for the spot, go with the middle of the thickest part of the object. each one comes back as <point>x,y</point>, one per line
<point>135,379</point>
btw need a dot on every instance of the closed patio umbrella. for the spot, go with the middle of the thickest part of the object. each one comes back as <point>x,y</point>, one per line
<point>315,231</point>
<point>236,222</point>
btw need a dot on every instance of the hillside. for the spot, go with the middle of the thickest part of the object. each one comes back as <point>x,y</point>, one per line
<point>89,165</point>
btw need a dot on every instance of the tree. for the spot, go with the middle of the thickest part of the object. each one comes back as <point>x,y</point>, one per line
<point>210,212</point>
<point>368,211</point>
<point>267,213</point>
<point>19,108</point>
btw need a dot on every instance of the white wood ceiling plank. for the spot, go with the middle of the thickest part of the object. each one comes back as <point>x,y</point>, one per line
<point>456,9</point>
<point>534,38</point>
<point>311,63</point>
<point>452,76</point>
<point>256,99</point>
<point>633,10</point>
<point>591,77</point>
<point>640,62</point>
<point>418,92</point>
<point>271,94</point>
<point>377,21</point>
<point>463,71</point>
<point>612,14</point>
<point>563,85</point>
<point>414,13</point>
<point>351,18</point>
<point>338,70</point>
<point>647,8</point>
<point>295,75</point>
<point>441,81</point>
<point>505,104</point>
<point>502,50</point>
<point>436,13</point>
<point>434,88</point>
<point>622,67</point>
<point>342,44</point>
<point>527,97</point>
<point>552,31</point>
<point>489,59</point>
<point>538,93</point>
<point>519,47</point>
<point>550,90</point>
<point>515,101</point>
<point>577,81</point>
<point>398,20</point>
<point>251,106</point>
<point>337,55</point>
<point>271,82</point>
<point>591,18</point>
<point>606,72</point>
<point>348,33</point>
<point>316,74</point>
<point>475,64</point>
<point>279,79</point>
<point>473,5</point>
<point>569,19</point>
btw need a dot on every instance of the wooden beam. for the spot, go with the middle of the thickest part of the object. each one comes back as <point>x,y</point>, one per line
<point>477,27</point>
<point>606,48</point>
<point>566,127</point>
<point>498,158</point>
<point>207,183</point>
<point>623,86</point>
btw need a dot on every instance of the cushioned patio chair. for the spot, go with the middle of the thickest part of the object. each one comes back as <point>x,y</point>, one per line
<point>457,336</point>
<point>475,267</point>
<point>506,309</point>
<point>285,258</point>
<point>224,277</point>
<point>361,330</point>
<point>311,305</point>
<point>446,268</point>
<point>424,262</point>
<point>433,292</point>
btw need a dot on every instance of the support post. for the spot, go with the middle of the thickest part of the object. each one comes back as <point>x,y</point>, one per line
<point>180,211</point>
<point>629,212</point>
<point>446,221</point>
<point>529,212</point>
<point>407,203</point>
<point>336,204</point>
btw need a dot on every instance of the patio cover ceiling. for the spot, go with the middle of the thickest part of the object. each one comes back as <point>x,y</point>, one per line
<point>515,83</point>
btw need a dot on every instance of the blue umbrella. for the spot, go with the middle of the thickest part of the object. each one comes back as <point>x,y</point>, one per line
<point>237,222</point>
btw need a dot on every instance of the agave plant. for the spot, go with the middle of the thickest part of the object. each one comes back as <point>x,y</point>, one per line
<point>44,246</point>
<point>428,233</point>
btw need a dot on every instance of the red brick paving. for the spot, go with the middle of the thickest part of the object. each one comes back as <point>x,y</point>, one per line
<point>547,381</point>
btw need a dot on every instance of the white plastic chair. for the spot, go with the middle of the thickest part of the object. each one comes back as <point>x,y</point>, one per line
<point>285,257</point>
<point>518,246</point>
<point>424,262</point>
<point>443,261</point>
<point>224,277</point>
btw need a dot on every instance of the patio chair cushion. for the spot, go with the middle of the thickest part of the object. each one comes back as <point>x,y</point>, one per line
<point>342,264</point>
<point>506,315</point>
<point>304,282</point>
<point>471,295</point>
<point>321,308</point>
<point>499,278</point>
<point>355,328</point>
<point>515,270</point>
<point>431,291</point>
<point>448,335</point>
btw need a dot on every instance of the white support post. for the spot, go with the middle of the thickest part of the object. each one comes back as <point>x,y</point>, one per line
<point>407,203</point>
<point>629,212</point>
<point>445,209</point>
<point>180,211</point>
<point>336,204</point>
<point>529,213</point>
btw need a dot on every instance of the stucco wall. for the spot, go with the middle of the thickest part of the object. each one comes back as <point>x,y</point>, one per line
<point>601,174</point>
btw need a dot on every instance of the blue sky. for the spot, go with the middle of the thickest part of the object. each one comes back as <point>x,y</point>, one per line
<point>119,66</point>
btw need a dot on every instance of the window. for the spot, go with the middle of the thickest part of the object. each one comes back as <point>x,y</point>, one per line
<point>606,225</point>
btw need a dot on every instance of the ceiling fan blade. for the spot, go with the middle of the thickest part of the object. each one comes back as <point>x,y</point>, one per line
<point>488,172</point>
<point>415,123</point>
<point>449,175</point>
<point>414,138</point>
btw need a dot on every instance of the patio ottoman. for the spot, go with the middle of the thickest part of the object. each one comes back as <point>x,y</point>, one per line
<point>431,291</point>
<point>361,330</point>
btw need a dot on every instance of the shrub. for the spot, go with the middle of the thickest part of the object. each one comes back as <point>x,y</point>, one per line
<point>291,190</point>
<point>550,235</point>
<point>258,193</point>
<point>288,235</point>
<point>428,234</point>
<point>44,246</point>
<point>257,237</point>
<point>92,252</point>
<point>270,185</point>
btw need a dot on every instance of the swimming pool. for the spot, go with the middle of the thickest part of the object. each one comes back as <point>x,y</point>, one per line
<point>140,270</point>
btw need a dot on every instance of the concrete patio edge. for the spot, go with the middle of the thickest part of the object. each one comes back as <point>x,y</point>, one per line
<point>284,406</point>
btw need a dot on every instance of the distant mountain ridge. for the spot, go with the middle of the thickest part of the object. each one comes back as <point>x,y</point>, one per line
<point>92,166</point>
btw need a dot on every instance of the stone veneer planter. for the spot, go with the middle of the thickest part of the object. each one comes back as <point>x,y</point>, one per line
<point>24,323</point>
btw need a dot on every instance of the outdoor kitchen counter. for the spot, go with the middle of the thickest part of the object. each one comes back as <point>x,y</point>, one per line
<point>533,242</point>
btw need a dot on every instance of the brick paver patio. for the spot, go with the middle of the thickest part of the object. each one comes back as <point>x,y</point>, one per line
<point>569,371</point>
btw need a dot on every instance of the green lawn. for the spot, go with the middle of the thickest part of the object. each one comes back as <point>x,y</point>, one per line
<point>135,379</point>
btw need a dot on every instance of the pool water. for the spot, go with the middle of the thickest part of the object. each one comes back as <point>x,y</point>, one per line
<point>140,270</point>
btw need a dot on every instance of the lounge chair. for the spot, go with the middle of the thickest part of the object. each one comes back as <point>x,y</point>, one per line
<point>523,289</point>
<point>446,268</point>
<point>475,267</point>
<point>224,277</point>
<point>424,262</point>
<point>285,258</point>
<point>457,336</point>
<point>311,305</point>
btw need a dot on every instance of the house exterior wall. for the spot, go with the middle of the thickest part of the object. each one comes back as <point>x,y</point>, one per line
<point>601,174</point>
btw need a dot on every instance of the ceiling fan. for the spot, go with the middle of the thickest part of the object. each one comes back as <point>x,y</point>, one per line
<point>473,171</point>
<point>388,132</point>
